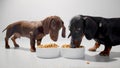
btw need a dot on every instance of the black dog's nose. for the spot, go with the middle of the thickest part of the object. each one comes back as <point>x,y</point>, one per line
<point>75,43</point>
<point>73,46</point>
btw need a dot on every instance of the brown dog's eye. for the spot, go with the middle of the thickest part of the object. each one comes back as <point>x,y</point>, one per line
<point>53,22</point>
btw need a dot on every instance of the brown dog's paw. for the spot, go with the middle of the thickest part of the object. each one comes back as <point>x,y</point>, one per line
<point>104,53</point>
<point>7,47</point>
<point>32,50</point>
<point>16,45</point>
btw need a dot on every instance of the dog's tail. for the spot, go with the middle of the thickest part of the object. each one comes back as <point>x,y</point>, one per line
<point>5,29</point>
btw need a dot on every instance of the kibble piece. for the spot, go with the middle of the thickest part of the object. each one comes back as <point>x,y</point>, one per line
<point>87,62</point>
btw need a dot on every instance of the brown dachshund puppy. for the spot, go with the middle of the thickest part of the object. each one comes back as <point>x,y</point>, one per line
<point>35,30</point>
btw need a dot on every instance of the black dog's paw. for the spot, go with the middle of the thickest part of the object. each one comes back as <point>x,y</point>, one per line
<point>92,49</point>
<point>33,50</point>
<point>104,53</point>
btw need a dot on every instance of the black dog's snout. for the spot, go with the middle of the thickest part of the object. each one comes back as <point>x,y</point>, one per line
<point>75,43</point>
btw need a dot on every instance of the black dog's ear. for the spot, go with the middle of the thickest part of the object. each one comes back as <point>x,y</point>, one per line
<point>69,35</point>
<point>90,28</point>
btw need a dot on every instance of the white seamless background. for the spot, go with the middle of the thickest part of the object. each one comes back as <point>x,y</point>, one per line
<point>35,10</point>
<point>15,10</point>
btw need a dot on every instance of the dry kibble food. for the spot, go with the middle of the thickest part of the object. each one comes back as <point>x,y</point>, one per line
<point>65,46</point>
<point>87,62</point>
<point>68,46</point>
<point>50,45</point>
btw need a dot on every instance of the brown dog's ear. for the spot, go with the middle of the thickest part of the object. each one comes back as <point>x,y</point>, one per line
<point>63,30</point>
<point>46,25</point>
<point>90,28</point>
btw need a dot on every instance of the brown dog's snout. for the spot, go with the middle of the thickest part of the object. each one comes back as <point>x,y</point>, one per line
<point>54,35</point>
<point>53,38</point>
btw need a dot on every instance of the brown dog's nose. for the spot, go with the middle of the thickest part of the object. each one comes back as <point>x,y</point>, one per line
<point>54,38</point>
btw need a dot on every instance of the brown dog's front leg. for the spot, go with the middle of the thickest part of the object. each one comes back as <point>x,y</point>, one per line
<point>94,47</point>
<point>32,44</point>
<point>106,51</point>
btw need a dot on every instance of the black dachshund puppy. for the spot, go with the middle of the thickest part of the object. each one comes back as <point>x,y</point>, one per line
<point>104,31</point>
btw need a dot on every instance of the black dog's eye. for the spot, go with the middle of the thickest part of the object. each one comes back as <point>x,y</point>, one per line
<point>78,29</point>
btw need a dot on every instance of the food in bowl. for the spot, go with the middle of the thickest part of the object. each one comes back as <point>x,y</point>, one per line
<point>72,53</point>
<point>50,45</point>
<point>68,46</point>
<point>65,46</point>
<point>50,50</point>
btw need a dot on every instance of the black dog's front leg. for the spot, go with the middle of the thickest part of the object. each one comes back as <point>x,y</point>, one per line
<point>97,45</point>
<point>106,51</point>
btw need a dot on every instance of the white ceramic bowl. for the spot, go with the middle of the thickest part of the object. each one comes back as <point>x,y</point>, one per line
<point>48,52</point>
<point>73,53</point>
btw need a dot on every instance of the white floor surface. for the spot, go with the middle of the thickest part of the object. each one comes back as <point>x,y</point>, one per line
<point>23,58</point>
